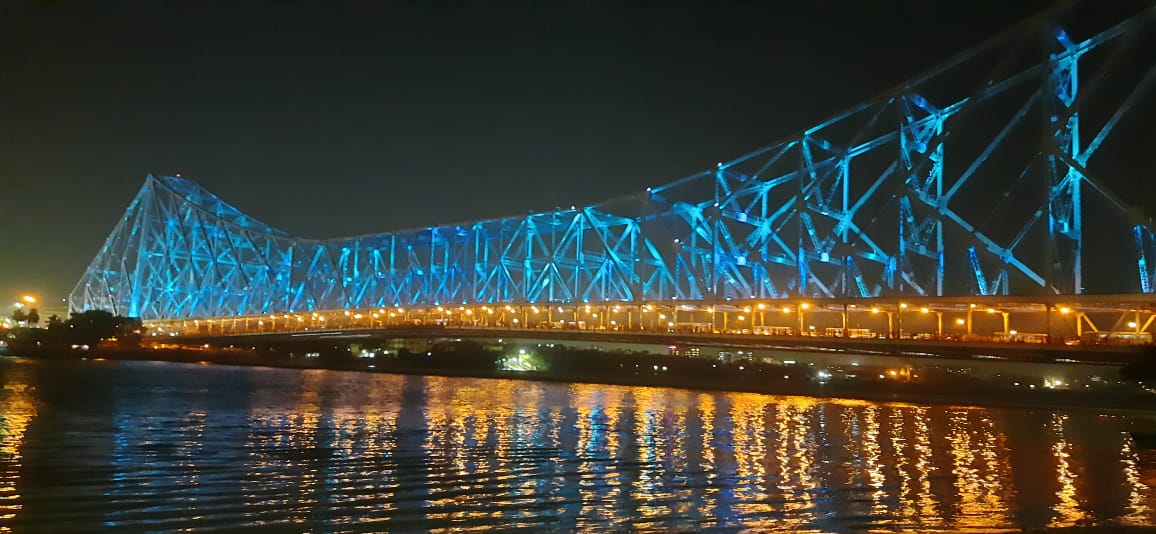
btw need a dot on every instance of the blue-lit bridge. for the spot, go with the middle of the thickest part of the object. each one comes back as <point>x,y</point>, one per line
<point>991,183</point>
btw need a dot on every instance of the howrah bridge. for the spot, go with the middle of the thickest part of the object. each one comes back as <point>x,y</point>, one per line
<point>990,184</point>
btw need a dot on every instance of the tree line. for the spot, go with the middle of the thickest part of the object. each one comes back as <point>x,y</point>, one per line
<point>89,328</point>
<point>32,316</point>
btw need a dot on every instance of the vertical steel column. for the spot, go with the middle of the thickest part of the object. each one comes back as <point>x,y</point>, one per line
<point>921,153</point>
<point>144,221</point>
<point>800,207</point>
<point>1065,218</point>
<point>1145,257</point>
<point>716,248</point>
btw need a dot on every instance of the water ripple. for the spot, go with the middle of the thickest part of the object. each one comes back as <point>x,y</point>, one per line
<point>143,446</point>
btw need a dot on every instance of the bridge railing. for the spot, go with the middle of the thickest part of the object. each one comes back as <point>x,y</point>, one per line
<point>930,321</point>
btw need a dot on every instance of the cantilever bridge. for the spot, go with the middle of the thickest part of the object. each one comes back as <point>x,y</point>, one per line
<point>993,174</point>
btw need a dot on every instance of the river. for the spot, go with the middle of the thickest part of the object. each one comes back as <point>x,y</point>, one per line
<point>90,445</point>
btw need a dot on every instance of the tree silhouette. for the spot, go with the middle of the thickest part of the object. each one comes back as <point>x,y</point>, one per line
<point>33,316</point>
<point>93,326</point>
<point>57,329</point>
<point>89,328</point>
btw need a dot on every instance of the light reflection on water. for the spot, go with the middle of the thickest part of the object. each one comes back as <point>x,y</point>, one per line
<point>16,410</point>
<point>87,445</point>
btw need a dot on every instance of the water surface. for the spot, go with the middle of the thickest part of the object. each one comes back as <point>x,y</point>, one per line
<point>157,446</point>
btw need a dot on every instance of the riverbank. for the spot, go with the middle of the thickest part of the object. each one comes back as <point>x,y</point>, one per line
<point>560,364</point>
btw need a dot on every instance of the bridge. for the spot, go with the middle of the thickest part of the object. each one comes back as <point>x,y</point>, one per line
<point>988,184</point>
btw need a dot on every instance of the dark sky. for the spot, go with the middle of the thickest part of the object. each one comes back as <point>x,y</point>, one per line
<point>327,118</point>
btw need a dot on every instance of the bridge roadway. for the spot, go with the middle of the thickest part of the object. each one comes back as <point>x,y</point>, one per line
<point>1055,316</point>
<point>910,348</point>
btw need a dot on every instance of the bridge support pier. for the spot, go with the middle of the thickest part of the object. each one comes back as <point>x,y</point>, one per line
<point>1048,315</point>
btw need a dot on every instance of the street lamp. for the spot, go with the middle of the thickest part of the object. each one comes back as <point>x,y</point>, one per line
<point>938,320</point>
<point>890,320</point>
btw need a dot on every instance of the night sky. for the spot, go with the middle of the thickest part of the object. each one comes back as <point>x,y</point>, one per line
<point>329,118</point>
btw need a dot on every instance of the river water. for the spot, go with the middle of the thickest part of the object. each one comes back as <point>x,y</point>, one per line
<point>94,445</point>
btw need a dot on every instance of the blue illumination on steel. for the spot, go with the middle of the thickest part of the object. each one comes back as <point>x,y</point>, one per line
<point>1146,256</point>
<point>880,200</point>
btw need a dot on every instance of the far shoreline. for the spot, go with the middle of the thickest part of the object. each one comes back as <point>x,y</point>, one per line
<point>752,378</point>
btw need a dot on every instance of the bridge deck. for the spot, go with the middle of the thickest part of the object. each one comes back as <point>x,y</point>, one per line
<point>917,349</point>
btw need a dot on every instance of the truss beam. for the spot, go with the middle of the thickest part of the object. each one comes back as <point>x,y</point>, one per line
<point>969,180</point>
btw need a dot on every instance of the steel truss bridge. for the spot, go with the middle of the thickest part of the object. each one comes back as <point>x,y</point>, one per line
<point>990,175</point>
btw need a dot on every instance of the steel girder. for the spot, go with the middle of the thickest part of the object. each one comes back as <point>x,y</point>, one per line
<point>948,185</point>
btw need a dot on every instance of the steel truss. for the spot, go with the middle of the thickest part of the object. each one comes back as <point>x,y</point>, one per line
<point>970,180</point>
